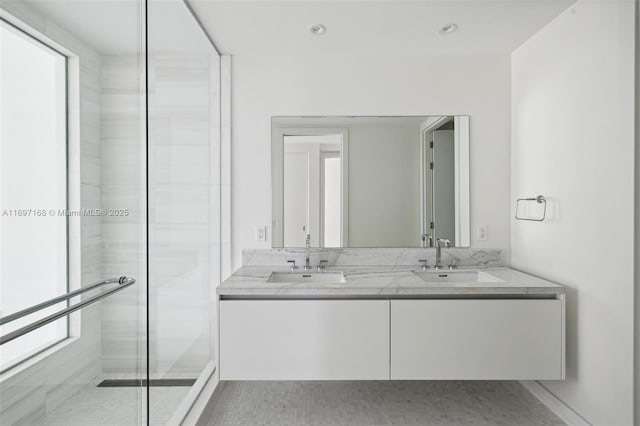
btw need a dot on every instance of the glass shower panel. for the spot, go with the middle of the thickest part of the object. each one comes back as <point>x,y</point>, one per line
<point>73,152</point>
<point>184,209</point>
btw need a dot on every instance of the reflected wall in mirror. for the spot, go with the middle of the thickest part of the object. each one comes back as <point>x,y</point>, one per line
<point>370,181</point>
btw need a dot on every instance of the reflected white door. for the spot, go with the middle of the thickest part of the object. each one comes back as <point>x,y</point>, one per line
<point>444,184</point>
<point>330,199</point>
<point>296,198</point>
<point>304,183</point>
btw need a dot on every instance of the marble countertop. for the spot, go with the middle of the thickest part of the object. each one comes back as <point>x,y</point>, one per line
<point>383,281</point>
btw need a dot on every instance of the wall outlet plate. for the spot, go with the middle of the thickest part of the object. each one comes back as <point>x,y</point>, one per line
<point>261,233</point>
<point>483,233</point>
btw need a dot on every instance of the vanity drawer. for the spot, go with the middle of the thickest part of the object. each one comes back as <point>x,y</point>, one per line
<point>477,339</point>
<point>304,339</point>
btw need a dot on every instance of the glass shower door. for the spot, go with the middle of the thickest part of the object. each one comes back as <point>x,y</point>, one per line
<point>73,234</point>
<point>184,206</point>
<point>110,180</point>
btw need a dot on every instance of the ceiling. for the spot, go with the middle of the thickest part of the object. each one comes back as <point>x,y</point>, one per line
<point>372,27</point>
<point>113,27</point>
<point>241,27</point>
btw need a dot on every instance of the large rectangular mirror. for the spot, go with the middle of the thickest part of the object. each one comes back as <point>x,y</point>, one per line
<point>370,181</point>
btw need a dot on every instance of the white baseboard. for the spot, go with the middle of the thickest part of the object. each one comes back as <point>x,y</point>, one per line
<point>553,403</point>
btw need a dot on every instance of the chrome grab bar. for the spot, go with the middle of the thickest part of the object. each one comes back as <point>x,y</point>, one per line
<point>123,282</point>
<point>59,299</point>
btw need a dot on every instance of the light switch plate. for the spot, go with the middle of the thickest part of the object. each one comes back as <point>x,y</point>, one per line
<point>261,233</point>
<point>483,233</point>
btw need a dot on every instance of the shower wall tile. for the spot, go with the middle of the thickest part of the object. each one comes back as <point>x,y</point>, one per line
<point>183,162</point>
<point>24,395</point>
<point>181,214</point>
<point>181,173</point>
<point>123,188</point>
<point>90,170</point>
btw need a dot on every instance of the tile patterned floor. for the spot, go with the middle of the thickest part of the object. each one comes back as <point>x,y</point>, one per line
<point>442,403</point>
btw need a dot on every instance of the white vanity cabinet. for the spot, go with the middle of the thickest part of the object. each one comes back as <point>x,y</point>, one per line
<point>397,339</point>
<point>304,339</point>
<point>477,339</point>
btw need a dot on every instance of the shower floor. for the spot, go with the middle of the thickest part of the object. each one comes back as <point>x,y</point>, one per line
<point>115,406</point>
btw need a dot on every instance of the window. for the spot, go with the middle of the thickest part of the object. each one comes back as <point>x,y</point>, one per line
<point>33,188</point>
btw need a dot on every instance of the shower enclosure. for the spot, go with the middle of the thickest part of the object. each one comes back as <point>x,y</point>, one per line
<point>111,208</point>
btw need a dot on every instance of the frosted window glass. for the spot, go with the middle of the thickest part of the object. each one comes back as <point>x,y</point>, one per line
<point>33,188</point>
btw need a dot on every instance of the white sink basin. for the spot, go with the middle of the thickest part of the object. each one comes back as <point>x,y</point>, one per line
<point>448,276</point>
<point>307,277</point>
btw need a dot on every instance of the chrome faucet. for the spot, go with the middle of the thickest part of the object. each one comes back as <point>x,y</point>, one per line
<point>423,264</point>
<point>439,243</point>
<point>322,265</point>
<point>307,263</point>
<point>293,266</point>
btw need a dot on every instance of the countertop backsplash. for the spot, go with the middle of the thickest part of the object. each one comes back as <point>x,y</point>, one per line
<point>371,256</point>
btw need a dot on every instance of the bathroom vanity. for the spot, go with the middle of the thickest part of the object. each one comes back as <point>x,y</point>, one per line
<point>388,319</point>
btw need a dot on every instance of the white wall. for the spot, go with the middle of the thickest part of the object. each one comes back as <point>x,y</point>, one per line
<point>265,86</point>
<point>384,186</point>
<point>572,130</point>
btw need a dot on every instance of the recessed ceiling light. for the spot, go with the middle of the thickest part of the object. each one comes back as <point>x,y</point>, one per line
<point>318,29</point>
<point>449,28</point>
